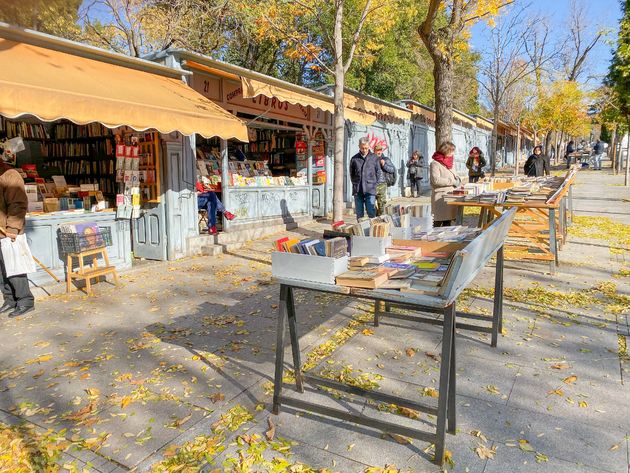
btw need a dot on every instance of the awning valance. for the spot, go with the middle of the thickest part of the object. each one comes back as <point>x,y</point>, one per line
<point>51,85</point>
<point>359,103</point>
<point>252,88</point>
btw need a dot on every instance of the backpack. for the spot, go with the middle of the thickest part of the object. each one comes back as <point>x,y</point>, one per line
<point>390,177</point>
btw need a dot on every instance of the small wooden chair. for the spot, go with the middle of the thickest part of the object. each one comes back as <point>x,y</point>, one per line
<point>87,273</point>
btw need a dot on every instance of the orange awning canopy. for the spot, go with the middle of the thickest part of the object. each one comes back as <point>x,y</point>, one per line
<point>252,88</point>
<point>50,85</point>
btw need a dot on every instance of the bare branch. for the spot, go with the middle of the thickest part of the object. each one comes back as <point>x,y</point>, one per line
<point>356,36</point>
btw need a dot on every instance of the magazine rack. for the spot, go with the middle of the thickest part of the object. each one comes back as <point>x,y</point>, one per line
<point>91,247</point>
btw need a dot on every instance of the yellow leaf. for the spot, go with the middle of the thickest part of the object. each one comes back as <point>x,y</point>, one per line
<point>557,392</point>
<point>39,359</point>
<point>570,379</point>
<point>124,402</point>
<point>583,404</point>
<point>400,439</point>
<point>560,366</point>
<point>367,332</point>
<point>410,352</point>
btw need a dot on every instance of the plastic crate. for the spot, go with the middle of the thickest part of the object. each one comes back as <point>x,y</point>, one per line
<point>75,243</point>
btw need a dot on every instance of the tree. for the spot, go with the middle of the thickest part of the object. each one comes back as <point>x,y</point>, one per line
<point>348,29</point>
<point>618,78</point>
<point>579,42</point>
<point>441,32</point>
<point>56,17</point>
<point>506,63</point>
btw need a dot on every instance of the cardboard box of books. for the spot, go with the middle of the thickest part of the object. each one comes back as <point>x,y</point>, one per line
<point>315,260</point>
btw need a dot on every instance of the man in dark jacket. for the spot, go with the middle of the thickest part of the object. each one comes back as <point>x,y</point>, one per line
<point>13,206</point>
<point>365,172</point>
<point>598,154</point>
<point>570,152</point>
<point>537,164</point>
<point>387,167</point>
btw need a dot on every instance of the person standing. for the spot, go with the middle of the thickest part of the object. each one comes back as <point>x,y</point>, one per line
<point>537,164</point>
<point>443,180</point>
<point>365,173</point>
<point>475,164</point>
<point>598,154</point>
<point>388,178</point>
<point>569,152</point>
<point>414,173</point>
<point>18,299</point>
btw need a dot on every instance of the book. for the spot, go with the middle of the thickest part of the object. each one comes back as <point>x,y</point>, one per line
<point>426,266</point>
<point>379,259</point>
<point>403,273</point>
<point>396,284</point>
<point>287,245</point>
<point>362,278</point>
<point>337,247</point>
<point>278,243</point>
<point>359,261</point>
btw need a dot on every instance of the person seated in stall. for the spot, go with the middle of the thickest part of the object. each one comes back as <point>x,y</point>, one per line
<point>208,200</point>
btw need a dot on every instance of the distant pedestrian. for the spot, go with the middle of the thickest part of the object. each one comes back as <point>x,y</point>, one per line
<point>387,179</point>
<point>537,164</point>
<point>443,180</point>
<point>475,165</point>
<point>414,173</point>
<point>598,154</point>
<point>568,155</point>
<point>365,172</point>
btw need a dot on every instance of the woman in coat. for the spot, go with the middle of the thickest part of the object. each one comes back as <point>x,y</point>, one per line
<point>443,180</point>
<point>537,164</point>
<point>414,173</point>
<point>475,164</point>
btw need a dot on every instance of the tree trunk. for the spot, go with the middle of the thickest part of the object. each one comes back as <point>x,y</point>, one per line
<point>443,73</point>
<point>613,147</point>
<point>339,118</point>
<point>518,148</point>
<point>494,139</point>
<point>626,180</point>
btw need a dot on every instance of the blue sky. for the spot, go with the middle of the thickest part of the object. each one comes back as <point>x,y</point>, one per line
<point>602,14</point>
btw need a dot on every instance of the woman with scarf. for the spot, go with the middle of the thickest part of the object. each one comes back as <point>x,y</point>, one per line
<point>475,164</point>
<point>443,180</point>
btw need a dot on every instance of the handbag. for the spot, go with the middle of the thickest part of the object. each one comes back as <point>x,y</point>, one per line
<point>17,256</point>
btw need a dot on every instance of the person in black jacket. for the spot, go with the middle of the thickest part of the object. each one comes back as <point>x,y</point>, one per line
<point>414,173</point>
<point>569,153</point>
<point>537,164</point>
<point>365,173</point>
<point>475,164</point>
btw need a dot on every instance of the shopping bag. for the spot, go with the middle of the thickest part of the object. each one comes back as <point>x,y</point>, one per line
<point>17,256</point>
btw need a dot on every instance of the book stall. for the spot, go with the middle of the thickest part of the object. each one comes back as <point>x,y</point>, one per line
<point>544,211</point>
<point>424,273</point>
<point>89,132</point>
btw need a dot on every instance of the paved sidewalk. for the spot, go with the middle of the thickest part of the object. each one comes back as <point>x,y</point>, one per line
<point>175,367</point>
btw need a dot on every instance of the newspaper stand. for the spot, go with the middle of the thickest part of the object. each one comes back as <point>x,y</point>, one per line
<point>467,263</point>
<point>82,247</point>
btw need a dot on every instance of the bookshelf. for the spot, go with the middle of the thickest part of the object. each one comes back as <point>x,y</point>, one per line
<point>149,153</point>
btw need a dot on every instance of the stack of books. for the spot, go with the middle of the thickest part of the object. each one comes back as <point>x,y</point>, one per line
<point>334,247</point>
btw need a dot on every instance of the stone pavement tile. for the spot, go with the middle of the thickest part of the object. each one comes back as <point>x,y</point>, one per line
<point>564,438</point>
<point>517,461</point>
<point>547,393</point>
<point>141,428</point>
<point>352,441</point>
<point>484,379</point>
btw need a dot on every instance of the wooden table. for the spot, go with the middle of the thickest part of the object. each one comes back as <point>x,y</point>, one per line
<point>467,263</point>
<point>545,228</point>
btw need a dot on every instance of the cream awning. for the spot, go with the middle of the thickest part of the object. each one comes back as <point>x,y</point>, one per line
<point>369,106</point>
<point>252,88</point>
<point>52,85</point>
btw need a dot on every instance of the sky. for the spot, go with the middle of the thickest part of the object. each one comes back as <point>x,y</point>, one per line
<point>602,14</point>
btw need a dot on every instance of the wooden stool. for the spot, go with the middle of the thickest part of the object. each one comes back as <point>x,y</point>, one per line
<point>88,273</point>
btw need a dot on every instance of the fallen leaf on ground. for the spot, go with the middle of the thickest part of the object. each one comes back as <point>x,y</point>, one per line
<point>525,446</point>
<point>216,397</point>
<point>614,448</point>
<point>560,366</point>
<point>541,458</point>
<point>478,434</point>
<point>557,392</point>
<point>400,439</point>
<point>492,389</point>
<point>484,452</point>
<point>570,379</point>
<point>39,359</point>
<point>271,433</point>
<point>410,352</point>
<point>367,332</point>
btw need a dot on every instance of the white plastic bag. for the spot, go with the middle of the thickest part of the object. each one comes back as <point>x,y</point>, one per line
<point>17,256</point>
